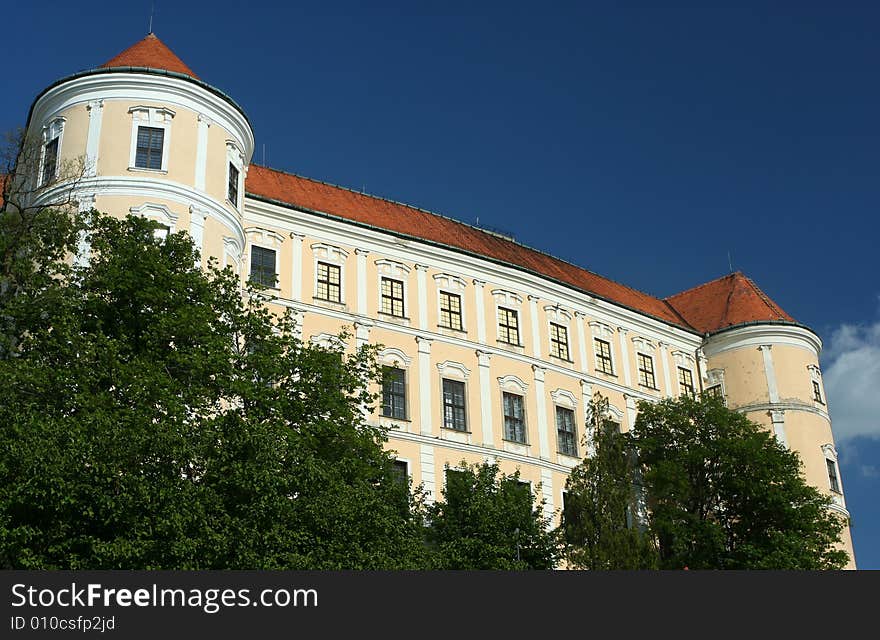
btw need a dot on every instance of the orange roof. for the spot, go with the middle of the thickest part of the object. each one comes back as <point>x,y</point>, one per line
<point>731,300</point>
<point>152,53</point>
<point>399,218</point>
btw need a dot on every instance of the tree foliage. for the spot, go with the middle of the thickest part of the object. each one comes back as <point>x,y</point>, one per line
<point>599,520</point>
<point>490,520</point>
<point>154,417</point>
<point>724,494</point>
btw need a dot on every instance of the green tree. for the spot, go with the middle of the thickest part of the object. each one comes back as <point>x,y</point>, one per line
<point>490,520</point>
<point>599,520</point>
<point>151,416</point>
<point>724,494</point>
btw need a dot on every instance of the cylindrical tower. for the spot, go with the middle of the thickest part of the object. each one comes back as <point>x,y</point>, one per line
<point>770,372</point>
<point>153,140</point>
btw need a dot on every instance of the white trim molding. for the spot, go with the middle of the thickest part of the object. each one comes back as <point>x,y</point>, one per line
<point>762,334</point>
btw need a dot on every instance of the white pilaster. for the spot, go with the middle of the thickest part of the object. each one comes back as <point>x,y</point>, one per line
<point>582,343</point>
<point>197,216</point>
<point>630,410</point>
<point>296,264</point>
<point>362,333</point>
<point>96,115</point>
<point>480,306</point>
<point>543,440</point>
<point>426,458</point>
<point>86,202</point>
<point>361,280</point>
<point>586,398</point>
<point>425,385</point>
<point>777,417</point>
<point>547,494</point>
<point>770,372</point>
<point>624,356</point>
<point>536,330</point>
<point>664,365</point>
<point>202,151</point>
<point>422,286</point>
<point>485,399</point>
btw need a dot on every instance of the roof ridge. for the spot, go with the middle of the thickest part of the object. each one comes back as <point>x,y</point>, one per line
<point>476,228</point>
<point>775,308</point>
<point>705,284</point>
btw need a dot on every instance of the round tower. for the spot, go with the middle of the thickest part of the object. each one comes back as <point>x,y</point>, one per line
<point>151,139</point>
<point>766,365</point>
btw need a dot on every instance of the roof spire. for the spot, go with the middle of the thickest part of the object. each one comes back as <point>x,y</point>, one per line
<point>152,10</point>
<point>151,53</point>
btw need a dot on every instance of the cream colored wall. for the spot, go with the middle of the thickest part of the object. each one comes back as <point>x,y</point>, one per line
<point>73,145</point>
<point>744,379</point>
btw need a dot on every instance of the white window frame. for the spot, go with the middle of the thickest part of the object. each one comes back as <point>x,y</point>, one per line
<point>329,254</point>
<point>559,316</point>
<point>234,157</point>
<point>394,357</point>
<point>51,130</point>
<point>265,239</point>
<point>392,270</point>
<point>160,214</point>
<point>454,285</point>
<point>565,399</point>
<point>513,302</point>
<point>157,118</point>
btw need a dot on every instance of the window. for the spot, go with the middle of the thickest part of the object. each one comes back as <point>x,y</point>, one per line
<point>715,391</point>
<point>263,266</point>
<point>232,191</point>
<point>450,311</point>
<point>508,326</point>
<point>559,341</point>
<point>646,370</point>
<point>400,469</point>
<point>453,405</point>
<point>148,154</point>
<point>603,357</point>
<point>832,476</point>
<point>565,432</point>
<point>686,382</point>
<point>394,393</point>
<point>392,297</point>
<point>817,392</point>
<point>329,282</point>
<point>514,418</point>
<point>50,161</point>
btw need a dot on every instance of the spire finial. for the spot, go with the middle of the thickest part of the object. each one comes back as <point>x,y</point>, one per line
<point>152,9</point>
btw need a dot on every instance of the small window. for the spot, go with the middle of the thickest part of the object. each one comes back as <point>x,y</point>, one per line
<point>817,393</point>
<point>508,326</point>
<point>514,418</point>
<point>565,431</point>
<point>400,469</point>
<point>714,391</point>
<point>394,393</point>
<point>263,266</point>
<point>232,191</point>
<point>603,357</point>
<point>559,341</point>
<point>832,476</point>
<point>148,154</point>
<point>453,405</point>
<point>329,287</point>
<point>686,382</point>
<point>646,371</point>
<point>50,161</point>
<point>450,311</point>
<point>392,297</point>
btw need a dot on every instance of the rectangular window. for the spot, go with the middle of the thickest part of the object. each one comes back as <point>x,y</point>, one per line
<point>232,191</point>
<point>832,475</point>
<point>686,382</point>
<point>565,431</point>
<point>394,393</point>
<point>392,297</point>
<point>514,418</point>
<point>450,311</point>
<point>453,405</point>
<point>817,393</point>
<point>603,357</point>
<point>508,326</point>
<point>401,472</point>
<point>263,266</point>
<point>329,287</point>
<point>559,341</point>
<point>646,370</point>
<point>148,154</point>
<point>50,161</point>
<point>715,391</point>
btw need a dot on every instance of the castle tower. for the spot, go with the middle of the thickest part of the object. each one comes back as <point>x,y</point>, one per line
<point>156,140</point>
<point>766,365</point>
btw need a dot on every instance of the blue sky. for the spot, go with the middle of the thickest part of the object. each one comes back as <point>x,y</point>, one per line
<point>682,132</point>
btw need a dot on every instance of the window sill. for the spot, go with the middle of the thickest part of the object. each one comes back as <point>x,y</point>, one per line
<point>331,304</point>
<point>606,374</point>
<point>442,328</point>
<point>516,348</point>
<point>511,446</point>
<point>387,317</point>
<point>231,204</point>
<point>568,459</point>
<point>265,289</point>
<point>565,360</point>
<point>147,170</point>
<point>644,386</point>
<point>454,435</point>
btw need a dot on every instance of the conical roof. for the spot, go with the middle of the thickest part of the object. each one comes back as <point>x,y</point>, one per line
<point>152,53</point>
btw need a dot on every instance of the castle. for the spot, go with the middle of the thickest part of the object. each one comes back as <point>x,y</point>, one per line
<point>493,349</point>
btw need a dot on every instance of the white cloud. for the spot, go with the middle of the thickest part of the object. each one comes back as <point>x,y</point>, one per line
<point>852,381</point>
<point>870,471</point>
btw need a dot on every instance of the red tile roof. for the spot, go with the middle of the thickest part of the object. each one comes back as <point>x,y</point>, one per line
<point>338,201</point>
<point>153,53</point>
<point>731,300</point>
